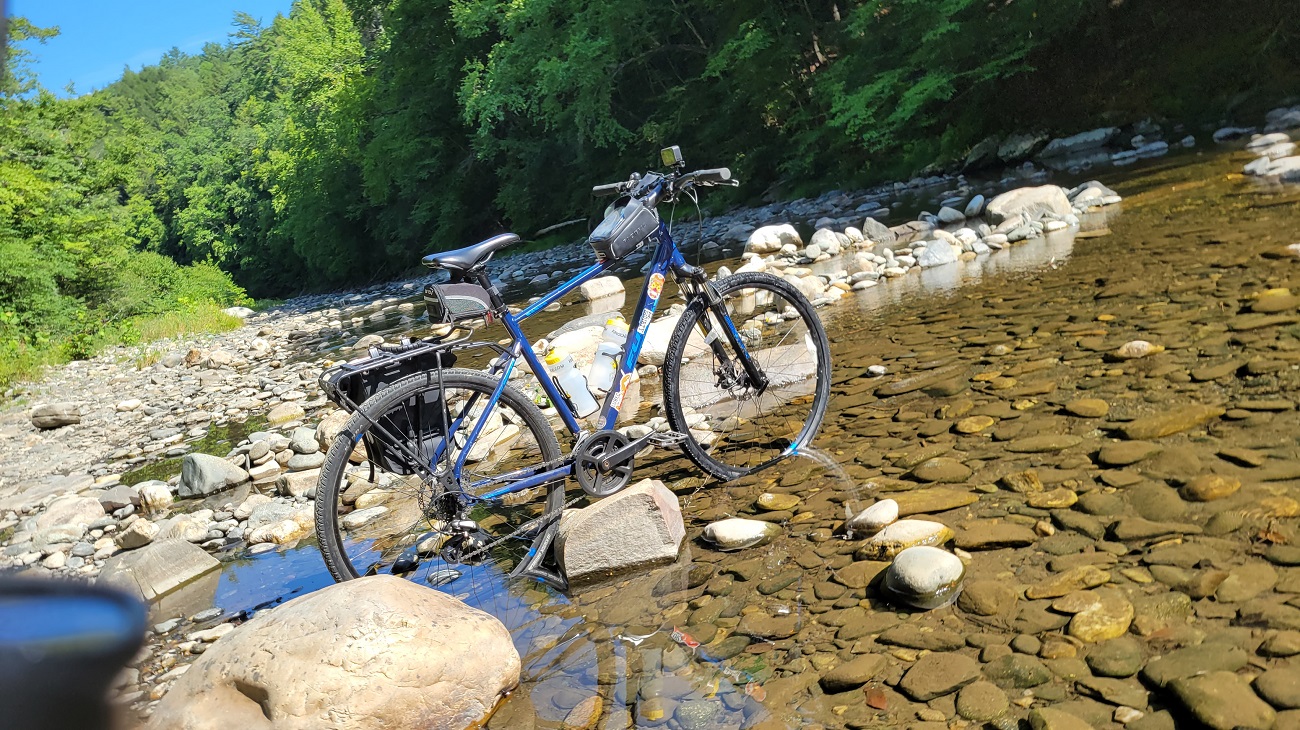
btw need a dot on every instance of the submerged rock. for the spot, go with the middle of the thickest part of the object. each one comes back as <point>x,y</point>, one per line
<point>738,533</point>
<point>925,577</point>
<point>901,535</point>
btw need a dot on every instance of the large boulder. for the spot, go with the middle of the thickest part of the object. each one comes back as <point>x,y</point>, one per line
<point>1079,142</point>
<point>204,474</point>
<point>605,286</point>
<point>54,415</point>
<point>770,239</point>
<point>660,332</point>
<point>1033,203</point>
<point>639,526</point>
<point>1019,146</point>
<point>377,652</point>
<point>158,568</point>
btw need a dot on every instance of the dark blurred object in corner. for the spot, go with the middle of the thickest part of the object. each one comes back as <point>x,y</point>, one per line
<point>61,645</point>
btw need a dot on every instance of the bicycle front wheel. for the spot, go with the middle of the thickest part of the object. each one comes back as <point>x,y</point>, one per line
<point>385,502</point>
<point>734,427</point>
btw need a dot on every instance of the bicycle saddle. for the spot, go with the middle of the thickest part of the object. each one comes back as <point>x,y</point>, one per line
<point>470,257</point>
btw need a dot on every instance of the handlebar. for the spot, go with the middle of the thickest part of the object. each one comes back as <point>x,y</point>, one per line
<point>656,187</point>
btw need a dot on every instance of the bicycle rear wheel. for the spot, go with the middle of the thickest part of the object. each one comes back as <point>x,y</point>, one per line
<point>386,503</point>
<point>732,427</point>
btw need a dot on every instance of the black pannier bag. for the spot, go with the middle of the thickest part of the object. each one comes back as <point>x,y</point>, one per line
<point>418,424</point>
<point>624,230</point>
<point>451,303</point>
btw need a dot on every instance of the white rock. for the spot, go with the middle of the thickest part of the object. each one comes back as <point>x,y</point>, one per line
<point>240,312</point>
<point>130,404</point>
<point>935,253</point>
<point>874,518</point>
<point>1030,202</point>
<point>924,577</point>
<point>155,496</point>
<point>136,535</point>
<point>1137,348</point>
<point>605,286</point>
<point>771,239</point>
<point>361,518</point>
<point>1264,141</point>
<point>737,533</point>
<point>443,664</point>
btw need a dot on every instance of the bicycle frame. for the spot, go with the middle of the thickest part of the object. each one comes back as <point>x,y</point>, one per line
<point>666,259</point>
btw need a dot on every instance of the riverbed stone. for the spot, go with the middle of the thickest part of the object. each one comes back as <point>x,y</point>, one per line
<point>895,538</point>
<point>987,597</point>
<point>939,674</point>
<point>932,499</point>
<point>992,535</point>
<point>873,519</point>
<point>737,533</point>
<point>1017,671</point>
<point>157,569</point>
<point>1170,422</point>
<point>853,673</point>
<point>1048,718</point>
<point>924,577</point>
<point>1119,657</point>
<point>638,526</point>
<point>982,702</point>
<point>204,474</point>
<point>1210,487</point>
<point>941,469</point>
<point>1223,701</point>
<point>1087,408</point>
<point>55,415</point>
<point>447,664</point>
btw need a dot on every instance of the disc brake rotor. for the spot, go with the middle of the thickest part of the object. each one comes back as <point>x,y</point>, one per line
<point>587,459</point>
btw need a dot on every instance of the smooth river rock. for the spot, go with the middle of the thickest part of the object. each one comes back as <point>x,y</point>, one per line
<point>398,655</point>
<point>924,577</point>
<point>738,533</point>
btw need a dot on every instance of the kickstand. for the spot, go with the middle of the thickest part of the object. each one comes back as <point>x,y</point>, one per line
<point>532,566</point>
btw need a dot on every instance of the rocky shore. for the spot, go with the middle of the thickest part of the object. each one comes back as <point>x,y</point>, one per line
<point>1072,474</point>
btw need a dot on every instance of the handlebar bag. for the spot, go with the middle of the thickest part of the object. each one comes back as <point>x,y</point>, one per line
<point>625,229</point>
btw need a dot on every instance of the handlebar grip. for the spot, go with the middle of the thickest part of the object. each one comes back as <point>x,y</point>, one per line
<point>717,175</point>
<point>609,190</point>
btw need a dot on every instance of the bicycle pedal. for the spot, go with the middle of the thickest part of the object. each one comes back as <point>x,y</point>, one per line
<point>668,440</point>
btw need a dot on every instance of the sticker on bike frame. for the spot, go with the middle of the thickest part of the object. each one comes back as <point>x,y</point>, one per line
<point>655,286</point>
<point>644,324</point>
<point>617,402</point>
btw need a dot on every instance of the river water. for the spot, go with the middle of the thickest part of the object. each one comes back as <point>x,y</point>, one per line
<point>1012,337</point>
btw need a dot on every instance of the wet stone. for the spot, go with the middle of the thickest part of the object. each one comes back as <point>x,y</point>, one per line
<point>854,673</point>
<point>1025,482</point>
<point>1186,662</point>
<point>1087,408</point>
<point>778,582</point>
<point>936,675</point>
<point>981,702</point>
<point>1059,498</point>
<point>1171,422</point>
<point>987,598</point>
<point>1017,671</point>
<point>1209,487</point>
<point>776,502</point>
<point>1245,582</point>
<point>1044,443</point>
<point>1075,579</point>
<point>914,637</point>
<point>1120,657</point>
<point>1222,700</point>
<point>942,470</point>
<point>1047,718</point>
<point>932,500</point>
<point>1280,687</point>
<point>1124,453</point>
<point>989,535</point>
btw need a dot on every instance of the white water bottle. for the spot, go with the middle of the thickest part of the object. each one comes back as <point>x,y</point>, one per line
<point>604,367</point>
<point>572,384</point>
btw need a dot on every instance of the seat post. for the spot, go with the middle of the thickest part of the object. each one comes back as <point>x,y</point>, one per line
<point>498,303</point>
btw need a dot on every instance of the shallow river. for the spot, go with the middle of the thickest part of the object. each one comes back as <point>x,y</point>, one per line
<point>1004,342</point>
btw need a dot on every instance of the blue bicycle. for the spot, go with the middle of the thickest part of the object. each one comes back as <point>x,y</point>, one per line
<point>441,467</point>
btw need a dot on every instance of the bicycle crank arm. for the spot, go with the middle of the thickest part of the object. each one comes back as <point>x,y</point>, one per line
<point>608,461</point>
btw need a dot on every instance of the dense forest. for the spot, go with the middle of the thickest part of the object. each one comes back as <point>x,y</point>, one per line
<point>337,144</point>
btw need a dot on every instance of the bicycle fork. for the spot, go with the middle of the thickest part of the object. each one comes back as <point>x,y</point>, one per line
<point>697,284</point>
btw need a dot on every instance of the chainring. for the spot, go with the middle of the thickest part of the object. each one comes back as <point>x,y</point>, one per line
<point>587,457</point>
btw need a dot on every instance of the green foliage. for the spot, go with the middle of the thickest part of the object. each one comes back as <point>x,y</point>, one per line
<point>339,143</point>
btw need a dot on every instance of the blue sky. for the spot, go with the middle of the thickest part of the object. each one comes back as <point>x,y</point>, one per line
<point>97,39</point>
